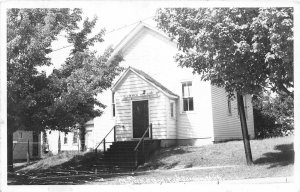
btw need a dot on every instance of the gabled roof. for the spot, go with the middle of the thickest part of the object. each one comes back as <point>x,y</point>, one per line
<point>148,79</point>
<point>132,34</point>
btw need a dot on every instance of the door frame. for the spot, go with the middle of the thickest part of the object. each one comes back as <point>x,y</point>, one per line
<point>132,117</point>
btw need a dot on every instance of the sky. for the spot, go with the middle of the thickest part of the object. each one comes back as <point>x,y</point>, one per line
<point>112,17</point>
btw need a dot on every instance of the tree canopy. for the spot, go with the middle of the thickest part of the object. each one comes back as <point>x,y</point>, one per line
<point>66,98</point>
<point>30,33</point>
<point>246,50</point>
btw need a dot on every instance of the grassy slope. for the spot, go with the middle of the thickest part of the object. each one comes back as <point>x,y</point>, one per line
<point>272,158</point>
<point>268,151</point>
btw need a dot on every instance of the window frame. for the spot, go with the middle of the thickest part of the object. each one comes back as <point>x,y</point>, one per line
<point>65,139</point>
<point>172,109</point>
<point>229,107</point>
<point>75,135</point>
<point>189,99</point>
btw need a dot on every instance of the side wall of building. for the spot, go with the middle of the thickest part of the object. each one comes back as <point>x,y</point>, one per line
<point>227,125</point>
<point>20,146</point>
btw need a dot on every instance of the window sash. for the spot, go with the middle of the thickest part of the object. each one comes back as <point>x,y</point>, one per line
<point>172,109</point>
<point>229,107</point>
<point>187,89</point>
<point>75,137</point>
<point>188,104</point>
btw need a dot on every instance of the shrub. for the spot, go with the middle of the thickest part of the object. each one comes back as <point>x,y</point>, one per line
<point>273,115</point>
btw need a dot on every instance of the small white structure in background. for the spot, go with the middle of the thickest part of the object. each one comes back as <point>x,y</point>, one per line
<point>181,108</point>
<point>21,139</point>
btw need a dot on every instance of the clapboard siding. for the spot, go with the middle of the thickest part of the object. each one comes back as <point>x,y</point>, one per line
<point>228,126</point>
<point>196,123</point>
<point>154,54</point>
<point>133,84</point>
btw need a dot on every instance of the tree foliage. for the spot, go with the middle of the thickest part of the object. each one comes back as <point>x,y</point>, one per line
<point>67,98</point>
<point>244,50</point>
<point>241,49</point>
<point>273,115</point>
<point>30,33</point>
<point>80,79</point>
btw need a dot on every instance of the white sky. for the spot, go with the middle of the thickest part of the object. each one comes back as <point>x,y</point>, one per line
<point>111,16</point>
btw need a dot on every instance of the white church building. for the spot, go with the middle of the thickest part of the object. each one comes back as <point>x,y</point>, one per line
<point>154,90</point>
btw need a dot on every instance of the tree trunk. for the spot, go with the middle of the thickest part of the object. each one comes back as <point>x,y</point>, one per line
<point>82,137</point>
<point>10,164</point>
<point>241,109</point>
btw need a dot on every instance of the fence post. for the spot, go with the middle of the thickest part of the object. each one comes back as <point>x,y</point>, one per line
<point>104,145</point>
<point>28,152</point>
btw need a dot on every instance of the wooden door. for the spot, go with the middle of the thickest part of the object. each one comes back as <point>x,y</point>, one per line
<point>140,118</point>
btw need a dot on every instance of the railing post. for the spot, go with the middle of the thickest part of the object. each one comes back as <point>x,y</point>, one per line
<point>136,158</point>
<point>143,151</point>
<point>115,135</point>
<point>151,136</point>
<point>104,145</point>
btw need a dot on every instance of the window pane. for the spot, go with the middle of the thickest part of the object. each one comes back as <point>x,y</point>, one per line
<point>185,91</point>
<point>172,109</point>
<point>190,90</point>
<point>185,104</point>
<point>229,107</point>
<point>191,104</point>
<point>75,137</point>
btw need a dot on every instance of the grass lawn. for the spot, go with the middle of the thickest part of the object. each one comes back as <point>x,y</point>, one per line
<point>223,161</point>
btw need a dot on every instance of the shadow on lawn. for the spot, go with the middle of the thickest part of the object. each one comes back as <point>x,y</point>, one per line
<point>284,157</point>
<point>155,163</point>
<point>80,169</point>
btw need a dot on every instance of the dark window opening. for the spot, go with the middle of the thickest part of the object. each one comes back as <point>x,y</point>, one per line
<point>65,139</point>
<point>172,108</point>
<point>229,107</point>
<point>188,102</point>
<point>75,137</point>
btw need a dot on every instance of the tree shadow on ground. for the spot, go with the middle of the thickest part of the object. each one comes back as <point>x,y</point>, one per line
<point>284,157</point>
<point>157,159</point>
<point>80,169</point>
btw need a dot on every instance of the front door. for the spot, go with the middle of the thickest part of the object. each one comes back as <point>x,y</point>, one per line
<point>140,118</point>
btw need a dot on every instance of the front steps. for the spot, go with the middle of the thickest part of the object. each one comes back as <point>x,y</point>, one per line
<point>121,155</point>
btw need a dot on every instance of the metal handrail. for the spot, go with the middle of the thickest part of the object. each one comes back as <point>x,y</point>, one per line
<point>143,137</point>
<point>103,140</point>
<point>143,146</point>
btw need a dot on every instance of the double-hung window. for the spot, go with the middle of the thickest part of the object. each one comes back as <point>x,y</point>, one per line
<point>172,109</point>
<point>75,137</point>
<point>188,102</point>
<point>65,139</point>
<point>229,107</point>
